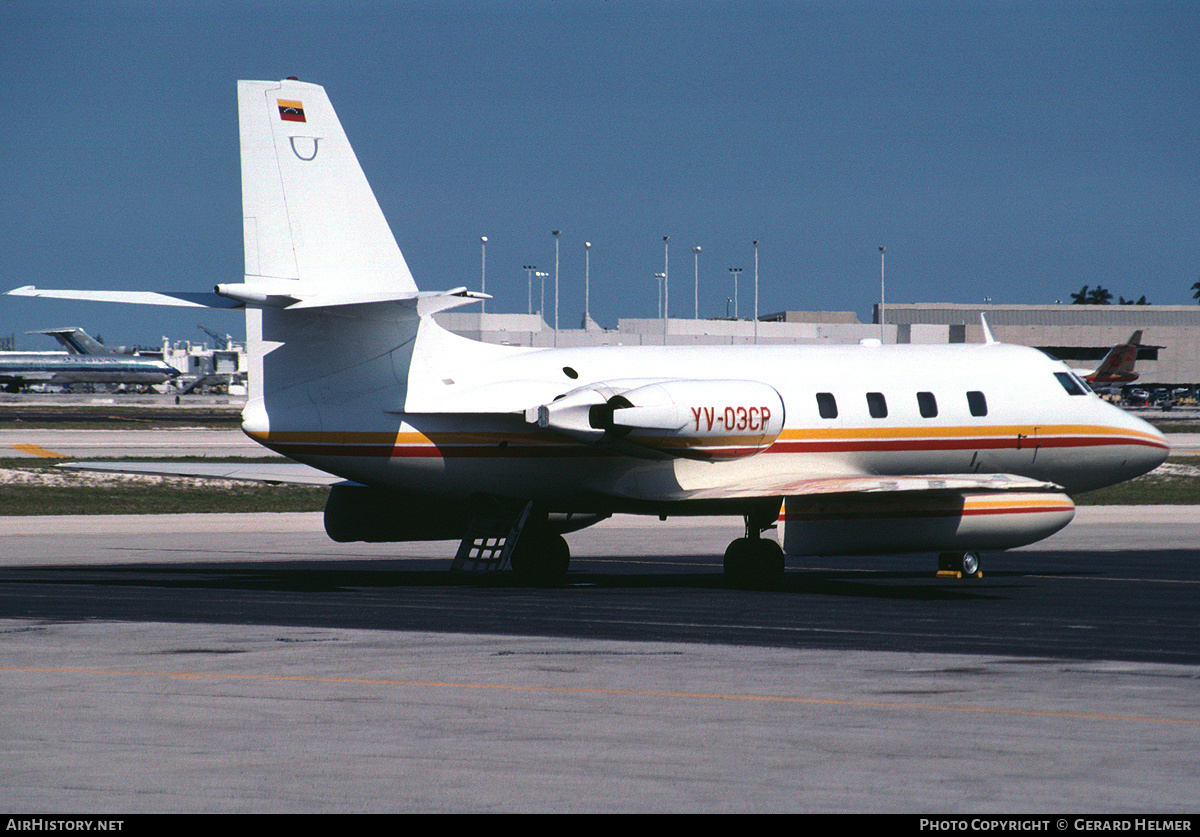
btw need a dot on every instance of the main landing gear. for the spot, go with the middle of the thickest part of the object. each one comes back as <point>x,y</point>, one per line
<point>755,561</point>
<point>505,532</point>
<point>540,558</point>
<point>959,565</point>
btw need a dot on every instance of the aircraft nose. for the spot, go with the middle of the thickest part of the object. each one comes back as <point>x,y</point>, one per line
<point>1152,450</point>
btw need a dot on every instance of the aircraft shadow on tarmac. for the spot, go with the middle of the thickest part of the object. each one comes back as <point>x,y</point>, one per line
<point>338,577</point>
<point>1136,605</point>
<point>901,577</point>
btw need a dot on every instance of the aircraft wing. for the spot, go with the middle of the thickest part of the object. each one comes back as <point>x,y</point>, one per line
<point>270,472</point>
<point>785,485</point>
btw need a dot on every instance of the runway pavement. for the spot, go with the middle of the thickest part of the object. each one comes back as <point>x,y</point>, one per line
<point>246,663</point>
<point>1184,444</point>
<point>108,443</point>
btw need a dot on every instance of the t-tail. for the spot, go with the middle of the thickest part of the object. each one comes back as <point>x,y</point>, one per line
<point>334,319</point>
<point>333,311</point>
<point>78,342</point>
<point>310,217</point>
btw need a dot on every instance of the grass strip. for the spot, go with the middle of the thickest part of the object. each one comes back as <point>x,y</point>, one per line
<point>33,416</point>
<point>126,494</point>
<point>1153,489</point>
<point>168,497</point>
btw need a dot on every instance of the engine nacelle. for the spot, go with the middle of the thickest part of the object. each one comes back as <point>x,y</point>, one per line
<point>361,513</point>
<point>725,419</point>
<point>381,515</point>
<point>881,524</point>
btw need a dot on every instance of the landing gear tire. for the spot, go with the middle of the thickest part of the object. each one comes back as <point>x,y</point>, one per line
<point>959,565</point>
<point>541,559</point>
<point>754,562</point>
<point>970,564</point>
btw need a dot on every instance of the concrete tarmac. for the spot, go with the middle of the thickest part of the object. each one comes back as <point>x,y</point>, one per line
<point>204,712</point>
<point>153,717</point>
<point>108,443</point>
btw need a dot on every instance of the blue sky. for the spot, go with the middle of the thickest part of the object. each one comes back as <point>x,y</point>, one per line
<point>1005,150</point>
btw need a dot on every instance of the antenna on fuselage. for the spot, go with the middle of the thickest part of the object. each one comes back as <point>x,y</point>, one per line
<point>987,332</point>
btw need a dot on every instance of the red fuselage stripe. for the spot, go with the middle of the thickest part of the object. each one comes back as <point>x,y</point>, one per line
<point>450,450</point>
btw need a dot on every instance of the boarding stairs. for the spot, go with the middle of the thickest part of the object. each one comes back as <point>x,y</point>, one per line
<point>491,536</point>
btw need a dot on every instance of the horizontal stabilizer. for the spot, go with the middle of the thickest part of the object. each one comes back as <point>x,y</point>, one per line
<point>293,473</point>
<point>265,296</point>
<point>427,302</point>
<point>177,298</point>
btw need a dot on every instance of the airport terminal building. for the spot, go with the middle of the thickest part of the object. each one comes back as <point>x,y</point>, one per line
<point>1078,334</point>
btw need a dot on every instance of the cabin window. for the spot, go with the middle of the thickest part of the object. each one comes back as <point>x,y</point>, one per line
<point>977,403</point>
<point>1069,383</point>
<point>826,405</point>
<point>876,405</point>
<point>927,404</point>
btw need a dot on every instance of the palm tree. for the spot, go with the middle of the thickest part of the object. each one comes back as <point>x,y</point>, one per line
<point>1100,296</point>
<point>1196,292</point>
<point>1081,298</point>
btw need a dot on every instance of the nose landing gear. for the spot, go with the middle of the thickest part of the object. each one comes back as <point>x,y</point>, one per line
<point>959,565</point>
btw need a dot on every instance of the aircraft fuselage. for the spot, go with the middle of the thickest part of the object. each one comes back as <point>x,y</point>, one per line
<point>61,369</point>
<point>848,411</point>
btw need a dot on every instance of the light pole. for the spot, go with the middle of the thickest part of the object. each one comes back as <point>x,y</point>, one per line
<point>666,292</point>
<point>735,271</point>
<point>541,274</point>
<point>529,269</point>
<point>756,290</point>
<point>482,271</point>
<point>555,234</point>
<point>882,306</point>
<point>696,254</point>
<point>587,291</point>
<point>660,277</point>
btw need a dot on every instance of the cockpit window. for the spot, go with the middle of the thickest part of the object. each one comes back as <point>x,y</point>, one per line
<point>1070,383</point>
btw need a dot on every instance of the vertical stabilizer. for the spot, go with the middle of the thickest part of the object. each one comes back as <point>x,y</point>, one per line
<point>311,218</point>
<point>309,213</point>
<point>1117,366</point>
<point>78,342</point>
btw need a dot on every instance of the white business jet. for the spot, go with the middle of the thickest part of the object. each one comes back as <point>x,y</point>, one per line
<point>865,449</point>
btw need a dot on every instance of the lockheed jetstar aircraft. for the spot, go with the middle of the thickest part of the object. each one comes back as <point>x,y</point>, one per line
<point>865,449</point>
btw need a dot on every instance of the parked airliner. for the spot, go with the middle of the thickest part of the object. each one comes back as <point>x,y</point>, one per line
<point>85,362</point>
<point>865,449</point>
